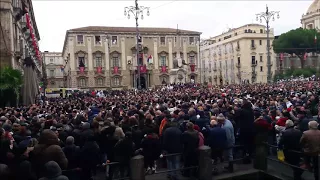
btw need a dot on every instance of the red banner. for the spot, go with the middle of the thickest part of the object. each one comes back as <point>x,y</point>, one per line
<point>305,56</point>
<point>163,69</point>
<point>192,67</point>
<point>115,70</point>
<point>81,70</point>
<point>281,56</point>
<point>143,69</point>
<point>99,69</point>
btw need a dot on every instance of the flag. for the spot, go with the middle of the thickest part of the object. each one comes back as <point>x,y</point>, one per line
<point>315,38</point>
<point>150,59</point>
<point>99,69</point>
<point>81,70</point>
<point>163,69</point>
<point>115,70</point>
<point>143,69</point>
<point>305,56</point>
<point>281,56</point>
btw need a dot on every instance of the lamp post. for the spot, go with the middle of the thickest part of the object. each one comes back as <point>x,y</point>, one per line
<point>267,16</point>
<point>137,11</point>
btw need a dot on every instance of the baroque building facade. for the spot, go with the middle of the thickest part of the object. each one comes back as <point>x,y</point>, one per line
<point>54,66</point>
<point>105,57</point>
<point>237,56</point>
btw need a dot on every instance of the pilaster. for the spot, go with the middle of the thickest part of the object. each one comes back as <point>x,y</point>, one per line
<point>123,55</point>
<point>89,47</point>
<point>184,45</point>
<point>170,54</point>
<point>155,54</point>
<point>107,55</point>
<point>71,51</point>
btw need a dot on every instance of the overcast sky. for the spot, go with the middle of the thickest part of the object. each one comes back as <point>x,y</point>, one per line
<point>210,17</point>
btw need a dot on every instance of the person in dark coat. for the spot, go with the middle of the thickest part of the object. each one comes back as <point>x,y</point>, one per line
<point>246,130</point>
<point>190,141</point>
<point>151,150</point>
<point>217,140</point>
<point>124,151</point>
<point>171,145</point>
<point>86,132</point>
<point>72,153</point>
<point>290,142</point>
<point>53,172</point>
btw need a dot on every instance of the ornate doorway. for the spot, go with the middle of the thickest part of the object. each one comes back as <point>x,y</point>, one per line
<point>142,82</point>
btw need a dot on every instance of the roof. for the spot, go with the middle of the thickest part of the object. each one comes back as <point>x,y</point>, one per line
<point>314,6</point>
<point>132,30</point>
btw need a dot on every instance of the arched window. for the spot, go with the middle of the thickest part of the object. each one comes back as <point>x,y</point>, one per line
<point>116,81</point>
<point>99,82</point>
<point>82,82</point>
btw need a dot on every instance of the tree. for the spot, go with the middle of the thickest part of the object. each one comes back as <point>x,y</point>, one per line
<point>298,41</point>
<point>11,79</point>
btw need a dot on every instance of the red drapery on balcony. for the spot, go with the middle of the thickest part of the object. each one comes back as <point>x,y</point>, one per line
<point>99,69</point>
<point>115,70</point>
<point>143,69</point>
<point>81,70</point>
<point>163,69</point>
<point>192,67</point>
<point>34,41</point>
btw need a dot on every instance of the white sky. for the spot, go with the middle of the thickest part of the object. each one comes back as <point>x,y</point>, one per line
<point>210,17</point>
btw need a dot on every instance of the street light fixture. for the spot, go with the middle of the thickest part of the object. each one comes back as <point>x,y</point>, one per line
<point>267,16</point>
<point>137,11</point>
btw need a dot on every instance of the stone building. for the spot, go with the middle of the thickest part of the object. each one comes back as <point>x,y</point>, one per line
<point>15,40</point>
<point>237,56</point>
<point>311,20</point>
<point>54,64</point>
<point>105,57</point>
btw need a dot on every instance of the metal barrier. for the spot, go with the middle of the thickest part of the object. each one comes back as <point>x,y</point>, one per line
<point>295,168</point>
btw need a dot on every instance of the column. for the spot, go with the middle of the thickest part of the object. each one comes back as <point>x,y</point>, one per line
<point>106,55</point>
<point>170,54</point>
<point>89,47</point>
<point>155,54</point>
<point>72,60</point>
<point>184,45</point>
<point>123,55</point>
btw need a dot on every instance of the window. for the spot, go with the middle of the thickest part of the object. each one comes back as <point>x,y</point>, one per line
<point>51,73</point>
<point>51,60</point>
<point>97,40</point>
<point>115,61</point>
<point>191,40</point>
<point>210,67</point>
<point>163,60</point>
<point>239,62</point>
<point>191,59</point>
<point>260,42</point>
<point>98,60</point>
<point>252,43</point>
<point>99,82</point>
<point>261,68</point>
<point>82,82</point>
<point>162,40</point>
<point>238,45</point>
<point>253,59</point>
<point>261,30</point>
<point>114,40</point>
<point>80,39</point>
<point>81,62</point>
<point>261,60</point>
<point>175,39</point>
<point>116,81</point>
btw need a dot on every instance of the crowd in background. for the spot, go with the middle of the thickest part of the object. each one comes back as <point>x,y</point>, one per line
<point>67,138</point>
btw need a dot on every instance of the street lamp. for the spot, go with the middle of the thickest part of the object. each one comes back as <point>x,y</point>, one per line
<point>137,11</point>
<point>267,16</point>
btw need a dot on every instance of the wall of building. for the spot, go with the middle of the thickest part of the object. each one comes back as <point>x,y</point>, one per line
<point>224,51</point>
<point>125,49</point>
<point>55,73</point>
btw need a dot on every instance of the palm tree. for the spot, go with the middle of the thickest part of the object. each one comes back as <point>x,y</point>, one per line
<point>11,79</point>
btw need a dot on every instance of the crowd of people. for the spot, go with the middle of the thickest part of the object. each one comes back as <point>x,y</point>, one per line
<point>68,138</point>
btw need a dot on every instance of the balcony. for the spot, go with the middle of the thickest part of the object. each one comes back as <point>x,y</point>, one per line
<point>238,48</point>
<point>253,47</point>
<point>254,74</point>
<point>254,64</point>
<point>238,65</point>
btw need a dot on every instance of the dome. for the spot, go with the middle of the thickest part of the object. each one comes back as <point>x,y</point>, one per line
<point>314,6</point>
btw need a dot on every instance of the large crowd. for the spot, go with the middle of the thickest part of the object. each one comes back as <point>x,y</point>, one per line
<point>68,138</point>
